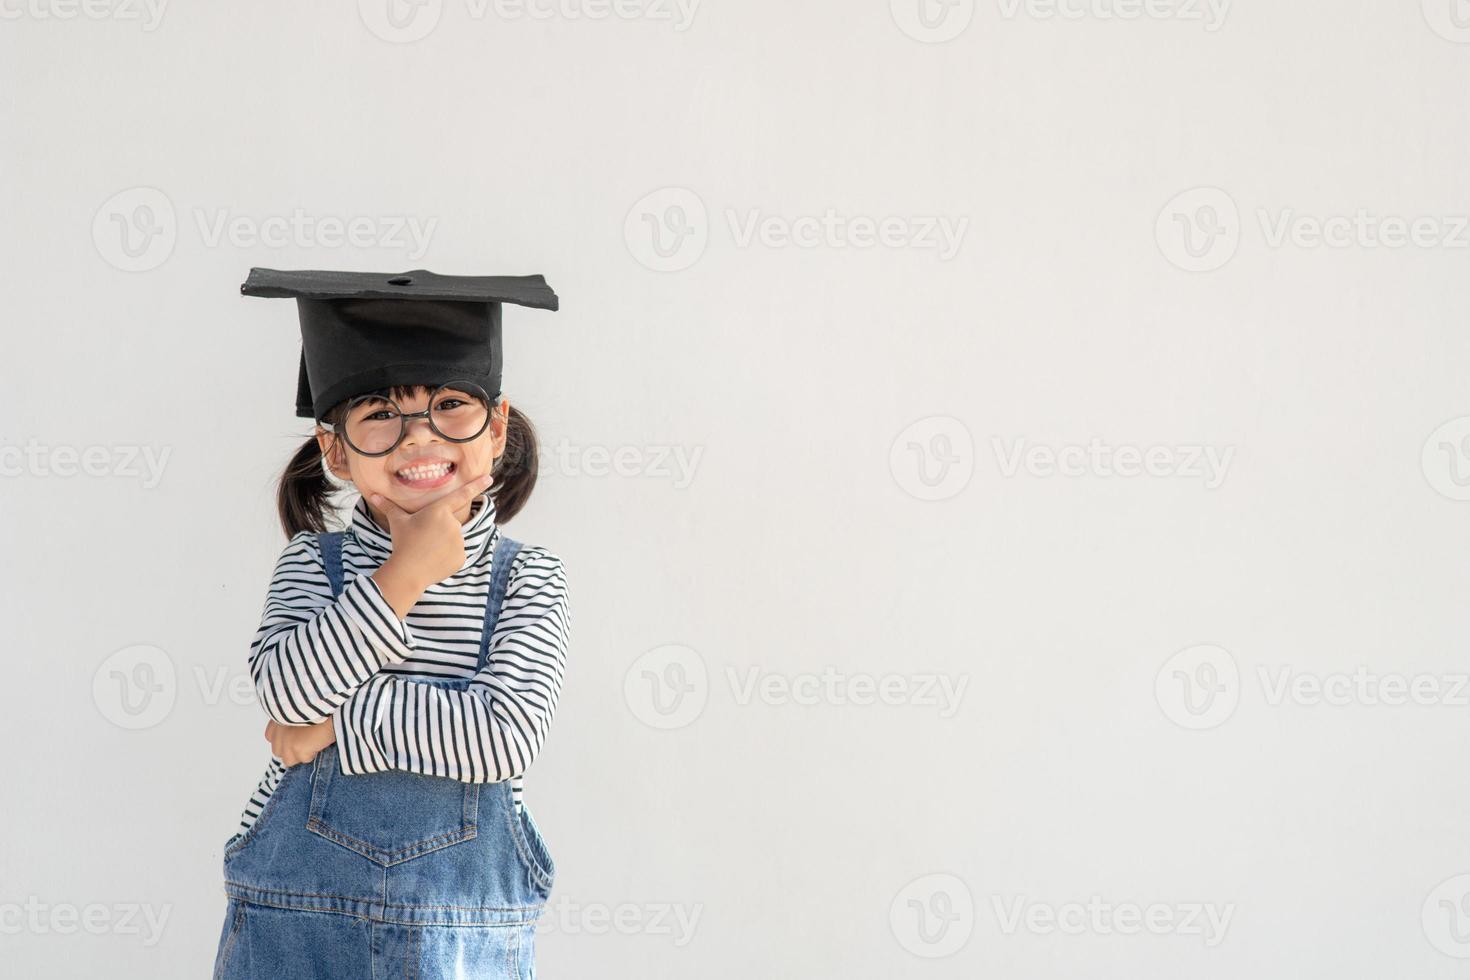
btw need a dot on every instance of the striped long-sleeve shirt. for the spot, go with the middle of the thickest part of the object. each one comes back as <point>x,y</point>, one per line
<point>352,659</point>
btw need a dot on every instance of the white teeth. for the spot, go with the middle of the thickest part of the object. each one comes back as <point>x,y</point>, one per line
<point>426,471</point>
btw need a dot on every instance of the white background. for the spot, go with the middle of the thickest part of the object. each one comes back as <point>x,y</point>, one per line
<point>850,409</point>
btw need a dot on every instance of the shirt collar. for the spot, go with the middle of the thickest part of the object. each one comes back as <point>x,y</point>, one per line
<point>480,531</point>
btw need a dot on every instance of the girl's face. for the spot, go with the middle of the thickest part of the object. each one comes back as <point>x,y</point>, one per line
<point>424,466</point>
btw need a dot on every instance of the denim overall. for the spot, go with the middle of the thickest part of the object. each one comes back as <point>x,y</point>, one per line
<point>386,874</point>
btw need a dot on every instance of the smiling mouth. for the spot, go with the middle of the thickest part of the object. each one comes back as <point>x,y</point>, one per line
<point>425,475</point>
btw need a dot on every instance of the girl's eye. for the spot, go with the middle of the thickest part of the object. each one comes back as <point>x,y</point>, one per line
<point>381,415</point>
<point>450,403</point>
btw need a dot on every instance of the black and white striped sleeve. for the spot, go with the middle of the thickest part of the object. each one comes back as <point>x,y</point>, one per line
<point>490,731</point>
<point>312,651</point>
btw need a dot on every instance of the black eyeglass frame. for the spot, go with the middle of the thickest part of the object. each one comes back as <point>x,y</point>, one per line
<point>464,387</point>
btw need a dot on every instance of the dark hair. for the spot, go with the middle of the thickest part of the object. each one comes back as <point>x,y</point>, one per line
<point>304,491</point>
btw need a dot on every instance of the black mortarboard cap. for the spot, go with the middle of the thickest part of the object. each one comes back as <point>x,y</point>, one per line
<point>361,331</point>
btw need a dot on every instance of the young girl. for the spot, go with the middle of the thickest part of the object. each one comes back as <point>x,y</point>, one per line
<point>410,664</point>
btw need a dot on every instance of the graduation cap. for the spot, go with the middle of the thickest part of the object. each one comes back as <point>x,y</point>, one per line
<point>361,331</point>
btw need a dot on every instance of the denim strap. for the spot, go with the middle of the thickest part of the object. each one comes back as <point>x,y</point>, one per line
<point>505,552</point>
<point>331,546</point>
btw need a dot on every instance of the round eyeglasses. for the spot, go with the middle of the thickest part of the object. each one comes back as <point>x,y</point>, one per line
<point>374,425</point>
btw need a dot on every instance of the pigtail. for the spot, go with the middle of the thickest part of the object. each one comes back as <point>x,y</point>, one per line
<point>304,491</point>
<point>515,468</point>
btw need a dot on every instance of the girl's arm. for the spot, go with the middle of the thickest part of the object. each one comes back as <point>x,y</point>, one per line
<point>312,651</point>
<point>491,731</point>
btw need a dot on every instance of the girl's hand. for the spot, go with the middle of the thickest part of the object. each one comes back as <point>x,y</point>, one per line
<point>294,744</point>
<point>428,545</point>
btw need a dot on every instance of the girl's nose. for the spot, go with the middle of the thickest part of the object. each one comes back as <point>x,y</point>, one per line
<point>418,427</point>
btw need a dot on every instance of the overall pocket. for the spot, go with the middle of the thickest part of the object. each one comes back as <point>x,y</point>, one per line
<point>389,817</point>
